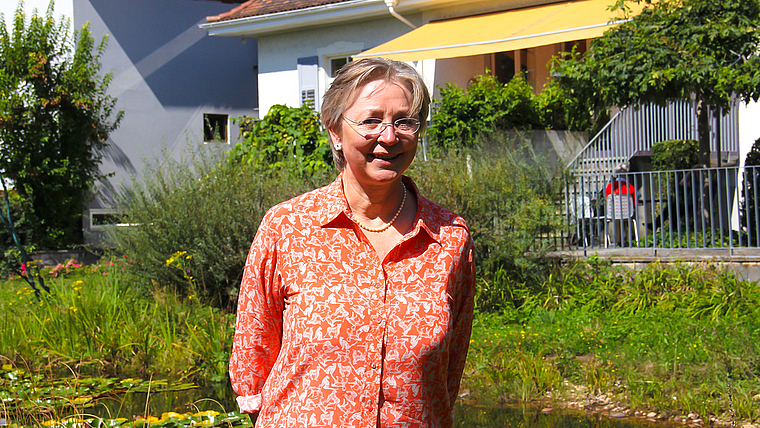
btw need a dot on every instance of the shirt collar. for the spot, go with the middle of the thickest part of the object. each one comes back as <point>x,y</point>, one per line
<point>335,205</point>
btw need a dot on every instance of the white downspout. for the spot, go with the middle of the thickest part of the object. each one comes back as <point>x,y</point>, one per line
<point>390,4</point>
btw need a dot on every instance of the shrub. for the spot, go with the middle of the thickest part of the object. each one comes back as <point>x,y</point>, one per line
<point>461,116</point>
<point>55,117</point>
<point>193,222</point>
<point>674,155</point>
<point>507,195</point>
<point>287,137</point>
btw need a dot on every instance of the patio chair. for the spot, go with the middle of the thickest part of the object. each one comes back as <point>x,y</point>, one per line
<point>620,212</point>
<point>583,221</point>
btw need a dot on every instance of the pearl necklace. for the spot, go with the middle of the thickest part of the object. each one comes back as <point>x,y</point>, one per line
<point>388,225</point>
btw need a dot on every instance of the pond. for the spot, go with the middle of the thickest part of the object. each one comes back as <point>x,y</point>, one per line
<point>34,400</point>
<point>221,399</point>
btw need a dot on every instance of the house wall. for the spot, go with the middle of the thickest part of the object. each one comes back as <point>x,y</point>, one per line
<point>278,54</point>
<point>167,73</point>
<point>459,71</point>
<point>749,128</point>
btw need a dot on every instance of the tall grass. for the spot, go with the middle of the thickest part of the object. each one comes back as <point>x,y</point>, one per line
<point>669,337</point>
<point>100,321</point>
<point>507,193</point>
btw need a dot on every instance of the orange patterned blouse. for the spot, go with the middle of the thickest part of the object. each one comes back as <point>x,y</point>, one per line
<point>328,335</point>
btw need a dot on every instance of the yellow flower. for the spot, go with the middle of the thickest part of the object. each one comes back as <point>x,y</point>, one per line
<point>174,257</point>
<point>77,282</point>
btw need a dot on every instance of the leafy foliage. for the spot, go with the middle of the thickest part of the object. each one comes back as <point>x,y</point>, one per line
<point>461,116</point>
<point>55,117</point>
<point>674,155</point>
<point>508,218</point>
<point>194,220</point>
<point>286,137</point>
<point>673,50</point>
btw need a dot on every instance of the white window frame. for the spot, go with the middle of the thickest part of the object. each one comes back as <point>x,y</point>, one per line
<point>94,212</point>
<point>226,129</point>
<point>334,51</point>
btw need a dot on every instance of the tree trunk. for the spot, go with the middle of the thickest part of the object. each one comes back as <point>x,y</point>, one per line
<point>703,132</point>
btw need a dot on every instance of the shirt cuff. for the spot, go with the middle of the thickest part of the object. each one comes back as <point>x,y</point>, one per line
<point>249,403</point>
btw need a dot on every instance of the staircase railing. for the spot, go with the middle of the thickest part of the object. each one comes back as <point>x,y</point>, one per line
<point>633,131</point>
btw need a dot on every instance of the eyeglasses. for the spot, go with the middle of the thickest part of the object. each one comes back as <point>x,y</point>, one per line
<point>374,126</point>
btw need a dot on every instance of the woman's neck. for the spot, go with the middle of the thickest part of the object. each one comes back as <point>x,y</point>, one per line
<point>377,204</point>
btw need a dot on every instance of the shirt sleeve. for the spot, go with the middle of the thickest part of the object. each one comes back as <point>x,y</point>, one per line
<point>464,305</point>
<point>258,330</point>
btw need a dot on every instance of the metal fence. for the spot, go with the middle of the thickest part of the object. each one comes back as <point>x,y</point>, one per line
<point>696,208</point>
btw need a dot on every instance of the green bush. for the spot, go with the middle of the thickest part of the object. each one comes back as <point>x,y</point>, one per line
<point>193,222</point>
<point>674,155</point>
<point>287,137</point>
<point>507,195</point>
<point>461,116</point>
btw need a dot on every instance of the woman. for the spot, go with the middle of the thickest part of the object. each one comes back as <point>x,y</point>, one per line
<point>356,303</point>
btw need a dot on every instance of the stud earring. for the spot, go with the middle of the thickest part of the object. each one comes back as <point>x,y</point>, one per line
<point>338,146</point>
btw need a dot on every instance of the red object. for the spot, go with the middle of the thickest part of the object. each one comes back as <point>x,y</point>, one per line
<point>621,187</point>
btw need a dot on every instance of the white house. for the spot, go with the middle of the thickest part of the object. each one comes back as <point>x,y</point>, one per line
<point>303,42</point>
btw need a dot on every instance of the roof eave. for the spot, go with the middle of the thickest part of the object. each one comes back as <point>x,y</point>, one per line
<point>254,26</point>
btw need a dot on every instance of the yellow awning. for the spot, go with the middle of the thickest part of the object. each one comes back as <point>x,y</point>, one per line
<point>502,31</point>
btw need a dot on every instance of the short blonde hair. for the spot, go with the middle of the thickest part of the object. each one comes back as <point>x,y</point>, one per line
<point>356,74</point>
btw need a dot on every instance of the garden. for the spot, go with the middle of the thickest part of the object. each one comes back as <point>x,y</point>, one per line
<point>142,338</point>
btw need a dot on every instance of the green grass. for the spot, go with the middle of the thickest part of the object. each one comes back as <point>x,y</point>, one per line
<point>665,339</point>
<point>674,339</point>
<point>100,320</point>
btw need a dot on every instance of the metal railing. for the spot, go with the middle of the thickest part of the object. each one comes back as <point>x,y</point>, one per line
<point>701,208</point>
<point>633,131</point>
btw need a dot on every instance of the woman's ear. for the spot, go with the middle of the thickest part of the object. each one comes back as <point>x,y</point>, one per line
<point>334,136</point>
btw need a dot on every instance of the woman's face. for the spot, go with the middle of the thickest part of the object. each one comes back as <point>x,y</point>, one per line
<point>381,159</point>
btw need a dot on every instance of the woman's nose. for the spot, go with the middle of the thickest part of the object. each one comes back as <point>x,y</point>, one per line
<point>388,134</point>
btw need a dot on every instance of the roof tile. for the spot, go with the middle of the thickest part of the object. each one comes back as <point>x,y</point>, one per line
<point>265,7</point>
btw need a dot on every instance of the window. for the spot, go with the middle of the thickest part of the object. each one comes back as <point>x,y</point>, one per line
<point>102,217</point>
<point>504,66</point>
<point>308,71</point>
<point>215,128</point>
<point>336,64</point>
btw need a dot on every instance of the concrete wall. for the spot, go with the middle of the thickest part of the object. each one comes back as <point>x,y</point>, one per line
<point>167,73</point>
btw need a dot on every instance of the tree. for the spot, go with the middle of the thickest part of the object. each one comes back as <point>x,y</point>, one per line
<point>55,117</point>
<point>673,50</point>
